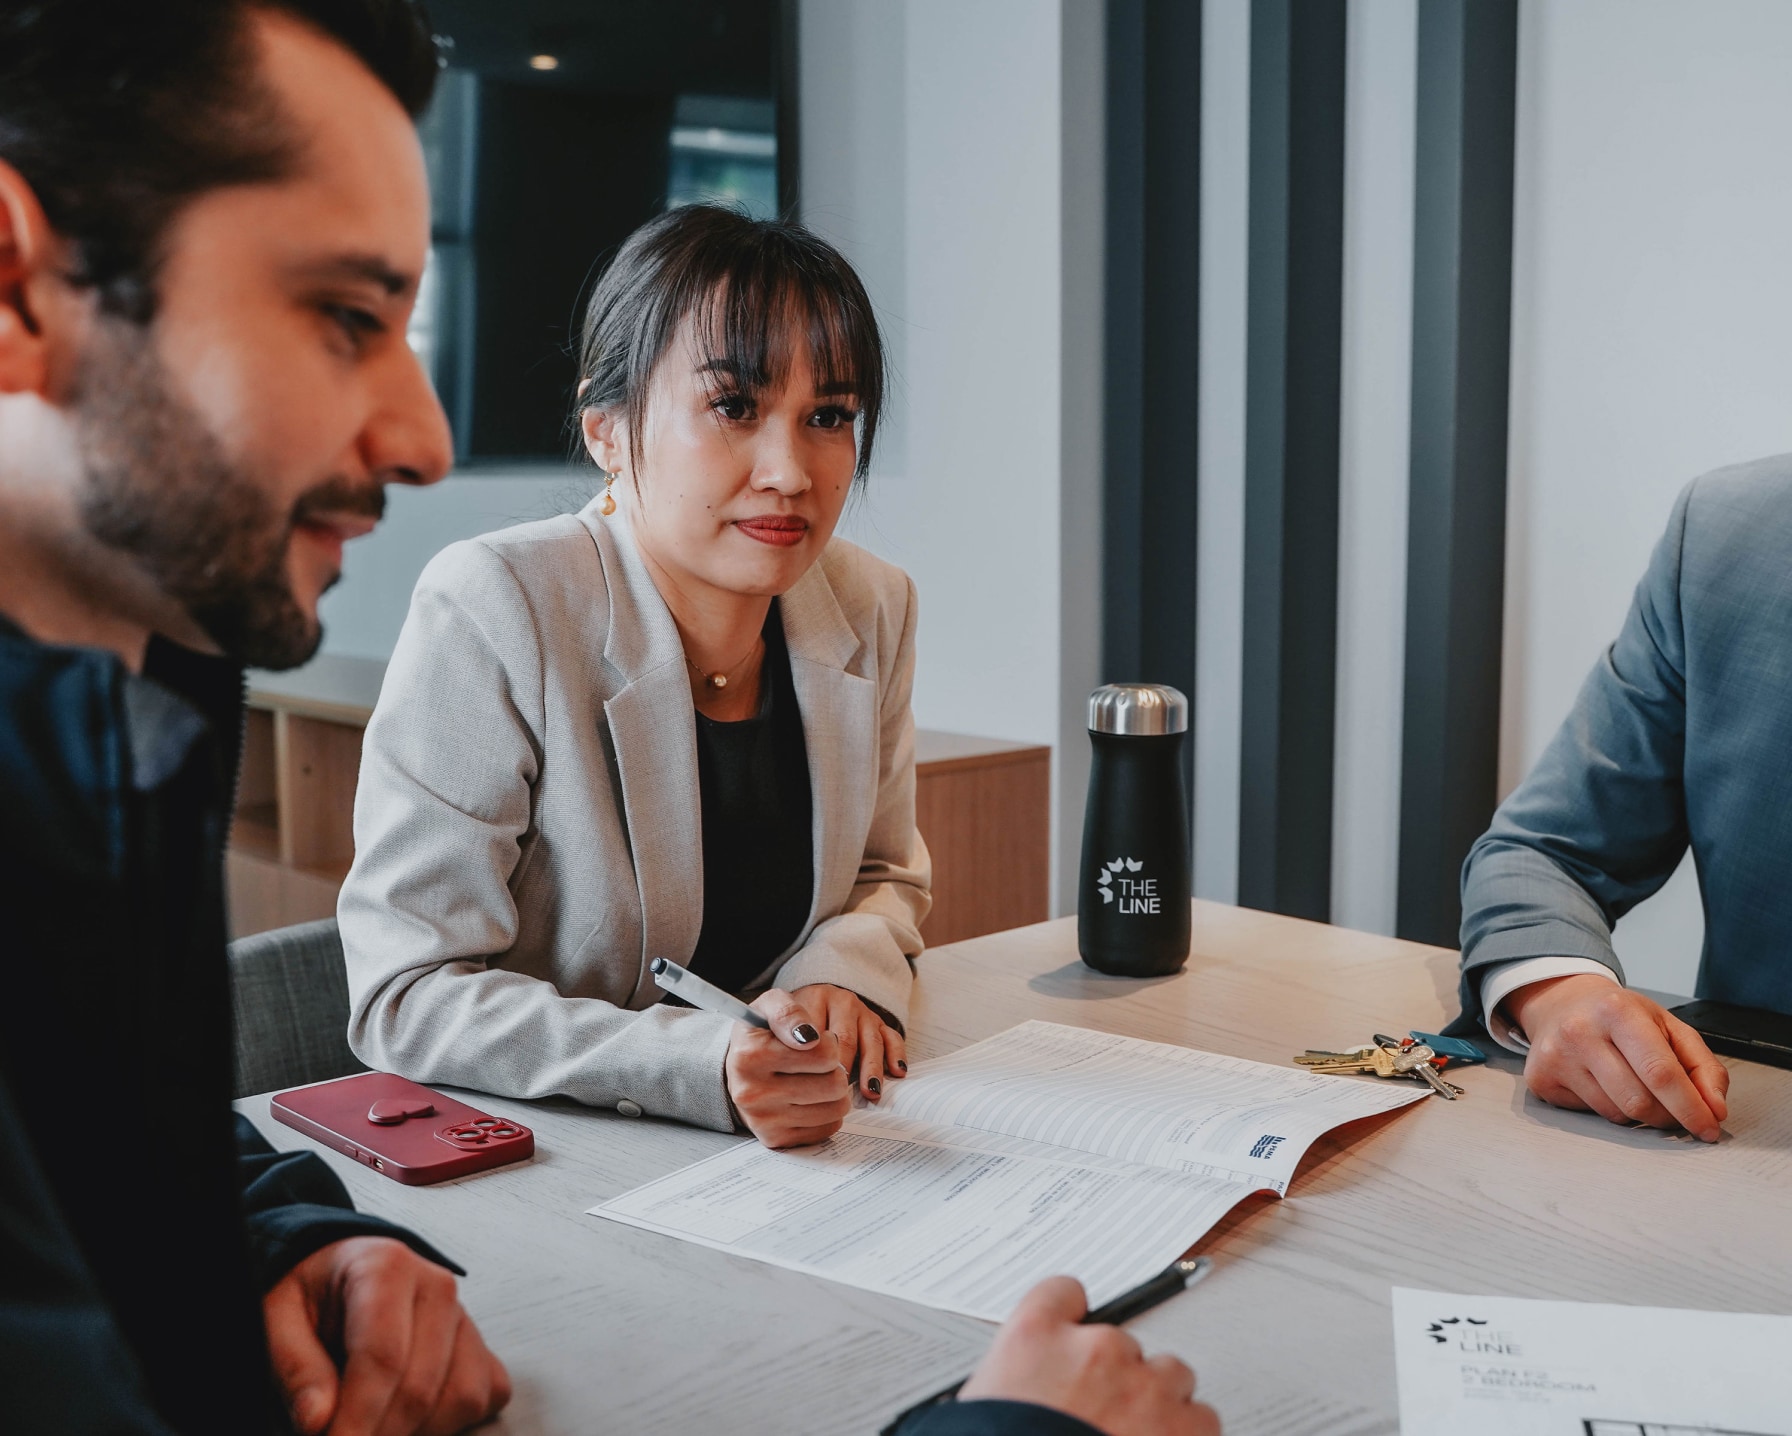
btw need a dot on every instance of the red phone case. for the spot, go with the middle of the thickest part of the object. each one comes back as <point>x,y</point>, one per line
<point>406,1131</point>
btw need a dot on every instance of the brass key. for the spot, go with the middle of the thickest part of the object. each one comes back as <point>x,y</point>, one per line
<point>1313,1057</point>
<point>1376,1061</point>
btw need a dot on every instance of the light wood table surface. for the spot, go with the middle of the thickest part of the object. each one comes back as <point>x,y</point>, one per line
<point>606,1328</point>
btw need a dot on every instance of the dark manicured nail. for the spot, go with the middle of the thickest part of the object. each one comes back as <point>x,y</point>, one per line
<point>805,1034</point>
<point>901,1066</point>
<point>874,1086</point>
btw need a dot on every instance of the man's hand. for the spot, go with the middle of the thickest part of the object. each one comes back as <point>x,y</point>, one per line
<point>412,1363</point>
<point>867,1042</point>
<point>1599,1047</point>
<point>1095,1373</point>
<point>789,1085</point>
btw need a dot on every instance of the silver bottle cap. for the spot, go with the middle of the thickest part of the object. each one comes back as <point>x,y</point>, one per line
<point>1140,710</point>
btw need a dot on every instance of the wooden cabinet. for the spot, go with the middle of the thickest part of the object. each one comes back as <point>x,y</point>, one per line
<point>293,838</point>
<point>982,805</point>
<point>984,809</point>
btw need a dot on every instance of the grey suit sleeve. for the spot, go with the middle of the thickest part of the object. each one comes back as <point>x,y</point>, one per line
<point>1600,822</point>
<point>868,946</point>
<point>448,769</point>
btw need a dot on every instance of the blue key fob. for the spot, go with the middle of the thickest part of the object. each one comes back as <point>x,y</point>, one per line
<point>1452,1047</point>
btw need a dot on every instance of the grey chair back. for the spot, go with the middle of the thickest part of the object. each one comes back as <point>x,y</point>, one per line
<point>289,996</point>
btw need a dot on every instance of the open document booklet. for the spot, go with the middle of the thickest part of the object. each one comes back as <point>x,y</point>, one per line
<point>1042,1150</point>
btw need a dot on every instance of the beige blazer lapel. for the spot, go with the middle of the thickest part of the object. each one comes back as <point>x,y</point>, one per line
<point>840,728</point>
<point>653,736</point>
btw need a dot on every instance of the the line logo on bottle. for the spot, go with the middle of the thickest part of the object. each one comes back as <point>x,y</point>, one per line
<point>1116,882</point>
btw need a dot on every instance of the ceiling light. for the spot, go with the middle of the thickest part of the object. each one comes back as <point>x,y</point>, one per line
<point>543,62</point>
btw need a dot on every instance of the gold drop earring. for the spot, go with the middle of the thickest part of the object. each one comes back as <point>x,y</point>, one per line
<point>608,506</point>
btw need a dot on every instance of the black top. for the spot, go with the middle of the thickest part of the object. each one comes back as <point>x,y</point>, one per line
<point>758,842</point>
<point>139,1222</point>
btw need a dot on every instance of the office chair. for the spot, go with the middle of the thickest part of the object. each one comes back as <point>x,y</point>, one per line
<point>289,998</point>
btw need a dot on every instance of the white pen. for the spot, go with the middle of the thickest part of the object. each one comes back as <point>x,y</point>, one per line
<point>680,982</point>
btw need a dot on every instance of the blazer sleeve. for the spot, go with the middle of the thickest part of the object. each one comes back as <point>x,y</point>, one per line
<point>448,769</point>
<point>869,945</point>
<point>1600,822</point>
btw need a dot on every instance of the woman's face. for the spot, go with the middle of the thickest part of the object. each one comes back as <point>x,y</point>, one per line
<point>737,491</point>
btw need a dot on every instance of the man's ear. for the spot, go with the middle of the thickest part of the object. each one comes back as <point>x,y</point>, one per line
<point>28,278</point>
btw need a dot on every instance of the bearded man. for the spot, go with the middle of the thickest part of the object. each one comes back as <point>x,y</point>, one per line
<point>213,218</point>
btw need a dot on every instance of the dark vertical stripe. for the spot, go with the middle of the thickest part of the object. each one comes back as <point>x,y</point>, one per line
<point>1294,331</point>
<point>1151,351</point>
<point>1123,349</point>
<point>787,84</point>
<point>1456,548</point>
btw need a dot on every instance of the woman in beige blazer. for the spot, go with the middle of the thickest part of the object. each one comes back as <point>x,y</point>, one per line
<point>675,724</point>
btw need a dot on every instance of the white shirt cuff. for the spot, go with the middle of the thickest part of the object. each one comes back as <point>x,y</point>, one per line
<point>1505,978</point>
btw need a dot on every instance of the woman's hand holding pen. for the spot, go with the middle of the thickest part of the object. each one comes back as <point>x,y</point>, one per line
<point>789,1084</point>
<point>868,1044</point>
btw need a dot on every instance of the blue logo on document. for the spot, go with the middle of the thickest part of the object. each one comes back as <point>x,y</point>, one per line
<point>1266,1147</point>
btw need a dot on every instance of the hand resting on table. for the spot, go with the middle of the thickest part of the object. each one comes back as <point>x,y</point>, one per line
<point>411,1361</point>
<point>869,1046</point>
<point>1602,1048</point>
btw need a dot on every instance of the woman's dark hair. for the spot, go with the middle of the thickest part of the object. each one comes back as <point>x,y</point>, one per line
<point>750,287</point>
<point>120,112</point>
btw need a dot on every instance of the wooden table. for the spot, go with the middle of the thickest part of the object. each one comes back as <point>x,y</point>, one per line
<point>1495,1194</point>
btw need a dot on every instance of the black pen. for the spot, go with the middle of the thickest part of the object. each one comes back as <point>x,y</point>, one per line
<point>1177,1276</point>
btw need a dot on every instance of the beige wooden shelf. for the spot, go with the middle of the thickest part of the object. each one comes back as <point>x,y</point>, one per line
<point>983,805</point>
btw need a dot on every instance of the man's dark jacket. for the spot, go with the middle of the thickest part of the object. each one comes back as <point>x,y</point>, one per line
<point>140,1222</point>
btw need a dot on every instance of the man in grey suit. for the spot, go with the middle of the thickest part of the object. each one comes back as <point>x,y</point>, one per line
<point>1679,738</point>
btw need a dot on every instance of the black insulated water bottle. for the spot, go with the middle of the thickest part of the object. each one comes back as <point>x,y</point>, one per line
<point>1132,915</point>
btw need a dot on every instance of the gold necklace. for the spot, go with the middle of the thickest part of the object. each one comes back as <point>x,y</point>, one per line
<point>718,680</point>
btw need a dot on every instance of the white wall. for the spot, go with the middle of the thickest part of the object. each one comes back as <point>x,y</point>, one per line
<point>1652,332</point>
<point>952,150</point>
<point>363,615</point>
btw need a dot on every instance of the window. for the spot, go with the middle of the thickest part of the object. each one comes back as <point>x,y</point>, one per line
<point>560,126</point>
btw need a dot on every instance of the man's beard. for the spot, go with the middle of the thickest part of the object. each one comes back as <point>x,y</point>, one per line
<point>161,490</point>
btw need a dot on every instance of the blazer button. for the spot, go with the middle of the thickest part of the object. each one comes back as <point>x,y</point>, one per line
<point>628,1108</point>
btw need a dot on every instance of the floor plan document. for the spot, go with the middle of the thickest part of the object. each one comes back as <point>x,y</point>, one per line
<point>1501,1366</point>
<point>1045,1149</point>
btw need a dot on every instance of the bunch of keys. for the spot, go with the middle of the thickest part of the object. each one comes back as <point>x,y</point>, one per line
<point>1385,1057</point>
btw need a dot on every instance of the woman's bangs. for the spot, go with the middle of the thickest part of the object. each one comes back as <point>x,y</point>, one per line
<point>752,332</point>
<point>756,318</point>
<point>748,296</point>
